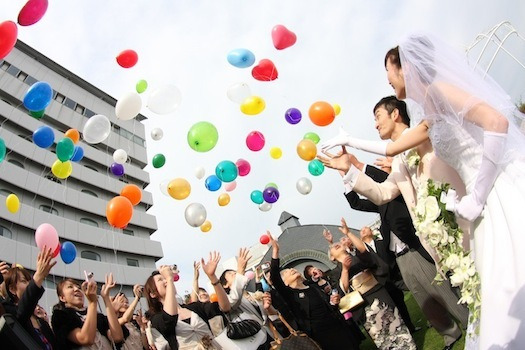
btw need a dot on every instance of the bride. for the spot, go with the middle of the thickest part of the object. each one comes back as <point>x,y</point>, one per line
<point>474,127</point>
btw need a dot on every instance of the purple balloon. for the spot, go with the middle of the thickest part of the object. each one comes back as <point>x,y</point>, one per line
<point>270,194</point>
<point>117,169</point>
<point>293,116</point>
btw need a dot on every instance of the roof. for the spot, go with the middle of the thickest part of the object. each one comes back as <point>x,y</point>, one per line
<point>285,216</point>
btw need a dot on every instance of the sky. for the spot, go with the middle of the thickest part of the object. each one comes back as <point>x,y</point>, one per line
<point>338,58</point>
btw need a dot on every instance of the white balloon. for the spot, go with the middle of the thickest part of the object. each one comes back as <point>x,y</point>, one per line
<point>265,206</point>
<point>96,129</point>
<point>120,156</point>
<point>304,185</point>
<point>164,187</point>
<point>200,172</point>
<point>164,100</point>
<point>157,134</point>
<point>239,92</point>
<point>195,214</point>
<point>128,106</point>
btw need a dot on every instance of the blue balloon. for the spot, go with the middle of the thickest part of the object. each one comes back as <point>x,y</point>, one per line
<point>43,136</point>
<point>241,58</point>
<point>78,154</point>
<point>68,252</point>
<point>38,97</point>
<point>212,183</point>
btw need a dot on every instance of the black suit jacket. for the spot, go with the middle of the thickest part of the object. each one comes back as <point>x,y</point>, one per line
<point>395,218</point>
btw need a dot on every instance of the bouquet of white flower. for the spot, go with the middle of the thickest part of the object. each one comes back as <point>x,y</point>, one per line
<point>439,228</point>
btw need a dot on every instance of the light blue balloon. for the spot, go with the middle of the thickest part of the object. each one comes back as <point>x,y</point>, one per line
<point>44,136</point>
<point>241,58</point>
<point>213,183</point>
<point>38,97</point>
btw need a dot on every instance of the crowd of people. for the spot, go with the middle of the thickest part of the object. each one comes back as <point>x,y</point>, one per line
<point>461,129</point>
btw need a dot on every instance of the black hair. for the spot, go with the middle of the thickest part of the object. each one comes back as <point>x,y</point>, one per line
<point>391,103</point>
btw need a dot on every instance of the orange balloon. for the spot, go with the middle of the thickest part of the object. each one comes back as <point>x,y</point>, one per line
<point>214,298</point>
<point>306,149</point>
<point>133,193</point>
<point>119,211</point>
<point>179,188</point>
<point>73,134</point>
<point>321,113</point>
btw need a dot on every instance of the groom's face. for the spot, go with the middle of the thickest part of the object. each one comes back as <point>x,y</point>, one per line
<point>384,123</point>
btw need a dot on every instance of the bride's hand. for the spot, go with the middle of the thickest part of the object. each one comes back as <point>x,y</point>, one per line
<point>468,208</point>
<point>339,140</point>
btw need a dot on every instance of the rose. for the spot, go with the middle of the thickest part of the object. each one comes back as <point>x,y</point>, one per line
<point>434,232</point>
<point>452,262</point>
<point>431,208</point>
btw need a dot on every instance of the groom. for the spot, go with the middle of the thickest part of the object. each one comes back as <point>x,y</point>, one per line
<point>438,302</point>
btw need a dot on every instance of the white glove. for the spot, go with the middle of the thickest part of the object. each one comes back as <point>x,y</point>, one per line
<point>471,205</point>
<point>343,139</point>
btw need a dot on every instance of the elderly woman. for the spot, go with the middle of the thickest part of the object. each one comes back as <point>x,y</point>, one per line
<point>184,326</point>
<point>315,312</point>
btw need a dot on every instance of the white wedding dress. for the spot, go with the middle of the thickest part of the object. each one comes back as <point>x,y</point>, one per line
<point>497,239</point>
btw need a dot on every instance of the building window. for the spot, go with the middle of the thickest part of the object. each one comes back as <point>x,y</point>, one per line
<point>60,98</point>
<point>121,179</point>
<point>5,192</point>
<point>13,71</point>
<point>21,76</point>
<point>91,167</point>
<point>5,65</point>
<point>128,232</point>
<point>87,254</point>
<point>88,222</point>
<point>5,232</point>
<point>16,162</point>
<point>70,103</point>
<point>132,262</point>
<point>91,193</point>
<point>48,209</point>
<point>80,109</point>
<point>89,113</point>
<point>30,80</point>
<point>54,179</point>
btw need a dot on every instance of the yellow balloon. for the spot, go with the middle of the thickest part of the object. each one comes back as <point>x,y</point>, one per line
<point>206,226</point>
<point>179,188</point>
<point>223,199</point>
<point>306,149</point>
<point>12,203</point>
<point>276,152</point>
<point>337,109</point>
<point>62,170</point>
<point>253,105</point>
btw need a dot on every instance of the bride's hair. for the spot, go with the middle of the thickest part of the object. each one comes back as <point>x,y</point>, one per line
<point>426,68</point>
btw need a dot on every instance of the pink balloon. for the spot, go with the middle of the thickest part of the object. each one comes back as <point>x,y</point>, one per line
<point>230,186</point>
<point>46,235</point>
<point>243,166</point>
<point>255,141</point>
<point>32,12</point>
<point>282,37</point>
<point>250,275</point>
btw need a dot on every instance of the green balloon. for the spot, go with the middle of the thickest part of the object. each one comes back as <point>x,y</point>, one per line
<point>312,136</point>
<point>37,114</point>
<point>226,171</point>
<point>141,86</point>
<point>202,136</point>
<point>315,167</point>
<point>65,149</point>
<point>271,184</point>
<point>159,160</point>
<point>2,150</point>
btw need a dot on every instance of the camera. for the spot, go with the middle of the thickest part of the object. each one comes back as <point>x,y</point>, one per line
<point>89,276</point>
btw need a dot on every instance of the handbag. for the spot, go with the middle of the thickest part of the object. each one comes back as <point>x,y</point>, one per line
<point>350,301</point>
<point>241,329</point>
<point>297,340</point>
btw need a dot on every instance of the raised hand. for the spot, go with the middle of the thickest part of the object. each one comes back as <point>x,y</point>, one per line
<point>210,266</point>
<point>4,268</point>
<point>267,300</point>
<point>384,163</point>
<point>166,271</point>
<point>196,267</point>
<point>44,263</point>
<point>118,302</point>
<point>344,227</point>
<point>347,262</point>
<point>242,260</point>
<point>342,139</point>
<point>137,290</point>
<point>275,246</point>
<point>328,236</point>
<point>90,290</point>
<point>339,161</point>
<point>108,285</point>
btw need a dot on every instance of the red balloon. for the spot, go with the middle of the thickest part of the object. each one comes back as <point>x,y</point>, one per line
<point>127,58</point>
<point>119,211</point>
<point>265,71</point>
<point>176,277</point>
<point>57,251</point>
<point>282,37</point>
<point>321,113</point>
<point>264,239</point>
<point>32,12</point>
<point>8,34</point>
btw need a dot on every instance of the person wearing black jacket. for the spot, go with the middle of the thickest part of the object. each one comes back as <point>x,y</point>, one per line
<point>24,293</point>
<point>316,314</point>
